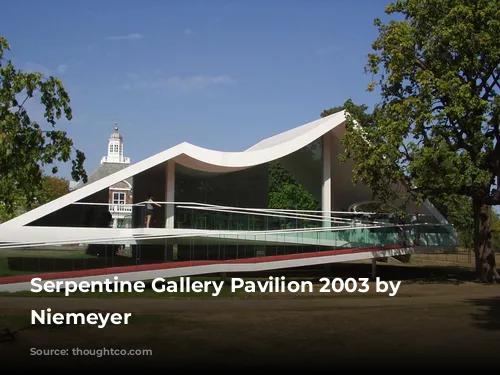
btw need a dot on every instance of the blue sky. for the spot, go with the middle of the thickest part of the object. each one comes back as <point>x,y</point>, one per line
<point>219,74</point>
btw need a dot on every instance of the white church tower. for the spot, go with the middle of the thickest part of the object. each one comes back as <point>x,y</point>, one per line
<point>115,149</point>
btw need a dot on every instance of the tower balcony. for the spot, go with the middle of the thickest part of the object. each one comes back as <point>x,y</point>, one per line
<point>120,208</point>
<point>115,159</point>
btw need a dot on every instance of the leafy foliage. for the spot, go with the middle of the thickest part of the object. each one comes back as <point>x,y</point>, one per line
<point>357,145</point>
<point>25,148</point>
<point>18,203</point>
<point>359,112</point>
<point>458,211</point>
<point>496,232</point>
<point>51,188</point>
<point>285,192</point>
<point>437,126</point>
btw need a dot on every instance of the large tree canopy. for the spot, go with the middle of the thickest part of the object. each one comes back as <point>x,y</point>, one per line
<point>25,148</point>
<point>50,188</point>
<point>437,125</point>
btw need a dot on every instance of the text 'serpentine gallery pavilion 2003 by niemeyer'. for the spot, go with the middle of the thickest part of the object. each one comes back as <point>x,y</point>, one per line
<point>285,202</point>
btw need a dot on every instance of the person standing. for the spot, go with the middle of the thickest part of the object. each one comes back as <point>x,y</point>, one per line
<point>149,209</point>
<point>403,230</point>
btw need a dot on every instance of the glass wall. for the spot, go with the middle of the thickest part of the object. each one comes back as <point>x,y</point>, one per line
<point>92,211</point>
<point>292,182</point>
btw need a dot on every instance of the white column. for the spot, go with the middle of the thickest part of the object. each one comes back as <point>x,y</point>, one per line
<point>326,204</point>
<point>169,193</point>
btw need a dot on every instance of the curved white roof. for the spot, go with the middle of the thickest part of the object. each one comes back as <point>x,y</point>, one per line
<point>294,133</point>
<point>199,158</point>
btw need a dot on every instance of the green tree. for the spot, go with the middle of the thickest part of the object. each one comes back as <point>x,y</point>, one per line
<point>495,227</point>
<point>18,207</point>
<point>359,112</point>
<point>25,148</point>
<point>51,188</point>
<point>285,192</point>
<point>437,127</point>
<point>458,211</point>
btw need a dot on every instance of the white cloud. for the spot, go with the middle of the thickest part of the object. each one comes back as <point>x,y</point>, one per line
<point>188,31</point>
<point>189,83</point>
<point>132,36</point>
<point>61,69</point>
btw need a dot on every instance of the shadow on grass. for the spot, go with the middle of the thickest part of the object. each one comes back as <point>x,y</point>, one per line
<point>22,323</point>
<point>489,316</point>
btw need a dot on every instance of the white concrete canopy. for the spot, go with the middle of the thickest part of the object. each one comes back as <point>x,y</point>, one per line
<point>207,160</point>
<point>328,181</point>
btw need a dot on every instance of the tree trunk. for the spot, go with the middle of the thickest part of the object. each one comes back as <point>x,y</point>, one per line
<point>483,249</point>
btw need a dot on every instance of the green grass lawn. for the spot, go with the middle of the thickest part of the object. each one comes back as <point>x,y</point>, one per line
<point>6,271</point>
<point>424,325</point>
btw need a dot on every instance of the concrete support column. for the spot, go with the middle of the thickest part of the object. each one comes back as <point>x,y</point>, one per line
<point>169,193</point>
<point>326,201</point>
